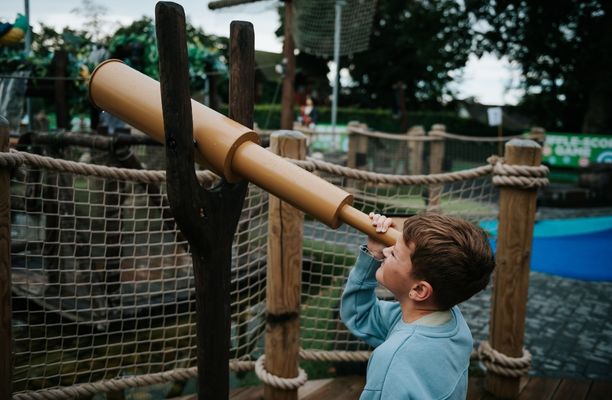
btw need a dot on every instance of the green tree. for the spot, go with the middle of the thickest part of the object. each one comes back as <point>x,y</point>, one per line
<point>414,42</point>
<point>565,50</point>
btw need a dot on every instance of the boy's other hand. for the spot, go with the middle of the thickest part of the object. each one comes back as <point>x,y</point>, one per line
<point>382,224</point>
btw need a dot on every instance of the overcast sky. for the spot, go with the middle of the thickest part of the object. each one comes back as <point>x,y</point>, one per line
<point>486,79</point>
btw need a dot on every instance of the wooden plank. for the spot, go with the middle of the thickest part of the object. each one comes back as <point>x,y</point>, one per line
<point>511,279</point>
<point>288,98</point>
<point>60,66</point>
<point>312,386</point>
<point>6,335</point>
<point>572,390</point>
<point>539,388</point>
<point>475,388</point>
<point>344,388</point>
<point>600,390</point>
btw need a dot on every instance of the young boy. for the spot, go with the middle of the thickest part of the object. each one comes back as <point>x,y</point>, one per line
<point>422,343</point>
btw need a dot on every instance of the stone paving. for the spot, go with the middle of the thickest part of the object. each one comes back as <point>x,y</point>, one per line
<point>568,327</point>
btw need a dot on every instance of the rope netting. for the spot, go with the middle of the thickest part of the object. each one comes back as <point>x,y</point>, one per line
<point>103,283</point>
<point>409,153</point>
<point>314,26</point>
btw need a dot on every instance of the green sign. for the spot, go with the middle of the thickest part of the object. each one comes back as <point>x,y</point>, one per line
<point>575,150</point>
<point>324,140</point>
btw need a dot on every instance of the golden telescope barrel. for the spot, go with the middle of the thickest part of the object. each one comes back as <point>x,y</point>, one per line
<point>228,147</point>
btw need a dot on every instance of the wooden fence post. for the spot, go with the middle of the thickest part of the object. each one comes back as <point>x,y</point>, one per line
<point>415,150</point>
<point>288,100</point>
<point>538,134</point>
<point>60,70</point>
<point>6,337</point>
<point>517,208</point>
<point>285,236</point>
<point>436,159</point>
<point>357,146</point>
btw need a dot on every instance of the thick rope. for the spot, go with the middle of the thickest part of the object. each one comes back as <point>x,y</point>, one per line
<point>15,158</point>
<point>433,136</point>
<point>391,136</point>
<point>504,175</point>
<point>90,389</point>
<point>342,356</point>
<point>522,176</point>
<point>277,382</point>
<point>338,170</point>
<point>502,364</point>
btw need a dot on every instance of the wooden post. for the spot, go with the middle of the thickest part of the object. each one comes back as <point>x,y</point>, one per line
<point>517,208</point>
<point>6,352</point>
<point>538,134</point>
<point>415,150</point>
<point>357,146</point>
<point>207,217</point>
<point>285,236</point>
<point>289,77</point>
<point>60,63</point>
<point>436,158</point>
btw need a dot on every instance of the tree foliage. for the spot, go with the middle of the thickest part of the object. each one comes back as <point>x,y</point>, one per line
<point>565,50</point>
<point>134,44</point>
<point>418,43</point>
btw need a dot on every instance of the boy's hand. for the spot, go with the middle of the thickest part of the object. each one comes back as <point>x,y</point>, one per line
<point>382,223</point>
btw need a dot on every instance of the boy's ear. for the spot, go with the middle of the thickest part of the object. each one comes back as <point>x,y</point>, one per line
<point>421,291</point>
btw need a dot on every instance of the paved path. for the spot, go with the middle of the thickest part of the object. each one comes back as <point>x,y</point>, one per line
<point>568,327</point>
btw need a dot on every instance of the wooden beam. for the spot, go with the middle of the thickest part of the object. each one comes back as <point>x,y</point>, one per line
<point>288,98</point>
<point>517,208</point>
<point>285,237</point>
<point>6,311</point>
<point>207,217</point>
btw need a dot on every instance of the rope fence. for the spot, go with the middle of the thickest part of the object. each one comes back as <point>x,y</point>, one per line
<point>95,252</point>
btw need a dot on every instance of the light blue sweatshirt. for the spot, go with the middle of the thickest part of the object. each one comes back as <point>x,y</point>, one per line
<point>410,361</point>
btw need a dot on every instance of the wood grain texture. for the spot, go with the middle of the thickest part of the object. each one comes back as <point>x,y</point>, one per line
<point>285,236</point>
<point>517,209</point>
<point>207,217</point>
<point>287,113</point>
<point>5,270</point>
<point>436,158</point>
<point>572,390</point>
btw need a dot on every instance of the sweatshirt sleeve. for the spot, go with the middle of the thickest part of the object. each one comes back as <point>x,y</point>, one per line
<point>365,316</point>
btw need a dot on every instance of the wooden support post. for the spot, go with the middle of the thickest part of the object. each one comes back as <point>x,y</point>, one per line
<point>415,150</point>
<point>6,341</point>
<point>517,208</point>
<point>538,134</point>
<point>288,98</point>
<point>60,63</point>
<point>285,236</point>
<point>436,159</point>
<point>357,146</point>
<point>207,217</point>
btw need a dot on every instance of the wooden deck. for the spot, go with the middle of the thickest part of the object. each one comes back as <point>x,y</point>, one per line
<point>349,388</point>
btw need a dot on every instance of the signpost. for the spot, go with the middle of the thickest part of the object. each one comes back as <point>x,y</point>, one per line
<point>495,119</point>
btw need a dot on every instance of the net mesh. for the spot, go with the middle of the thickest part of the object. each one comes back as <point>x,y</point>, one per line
<point>314,26</point>
<point>103,283</point>
<point>406,155</point>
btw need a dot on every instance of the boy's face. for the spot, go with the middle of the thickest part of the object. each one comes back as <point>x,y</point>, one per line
<point>395,273</point>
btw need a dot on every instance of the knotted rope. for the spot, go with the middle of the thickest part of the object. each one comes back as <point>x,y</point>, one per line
<point>278,382</point>
<point>502,364</point>
<point>522,176</point>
